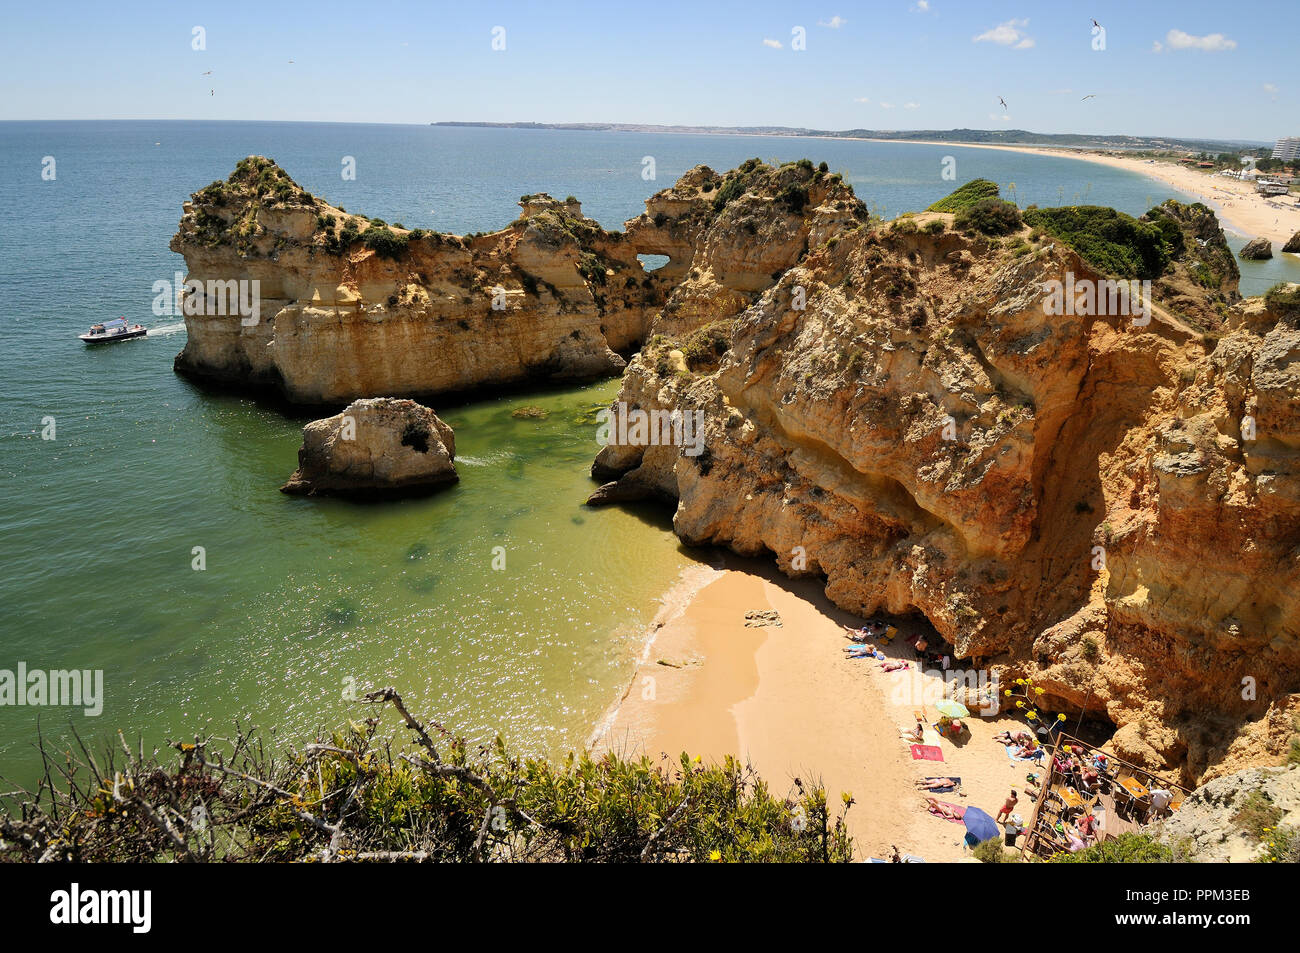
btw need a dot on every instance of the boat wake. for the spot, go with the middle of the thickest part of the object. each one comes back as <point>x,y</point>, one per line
<point>166,330</point>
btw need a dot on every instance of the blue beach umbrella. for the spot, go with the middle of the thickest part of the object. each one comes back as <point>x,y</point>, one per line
<point>979,826</point>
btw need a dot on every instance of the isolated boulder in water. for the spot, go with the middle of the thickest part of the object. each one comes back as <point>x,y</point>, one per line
<point>378,446</point>
<point>1293,244</point>
<point>1257,249</point>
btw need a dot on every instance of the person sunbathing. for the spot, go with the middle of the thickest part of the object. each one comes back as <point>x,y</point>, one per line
<point>942,810</point>
<point>1027,750</point>
<point>931,784</point>
<point>1013,737</point>
<point>893,665</point>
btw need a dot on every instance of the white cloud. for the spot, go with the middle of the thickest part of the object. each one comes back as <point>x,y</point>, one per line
<point>1210,43</point>
<point>862,99</point>
<point>997,118</point>
<point>1270,88</point>
<point>911,105</point>
<point>774,44</point>
<point>922,6</point>
<point>834,22</point>
<point>1157,47</point>
<point>1012,34</point>
<point>886,105</point>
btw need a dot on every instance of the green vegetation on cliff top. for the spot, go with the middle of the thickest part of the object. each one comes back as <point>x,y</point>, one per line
<point>965,196</point>
<point>1110,241</point>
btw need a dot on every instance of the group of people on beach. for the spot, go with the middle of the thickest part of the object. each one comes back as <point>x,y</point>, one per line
<point>1022,743</point>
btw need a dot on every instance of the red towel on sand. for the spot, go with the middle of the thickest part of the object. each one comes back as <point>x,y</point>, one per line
<point>926,753</point>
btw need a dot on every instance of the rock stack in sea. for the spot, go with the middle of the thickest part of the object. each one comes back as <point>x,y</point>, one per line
<point>378,447</point>
<point>1257,249</point>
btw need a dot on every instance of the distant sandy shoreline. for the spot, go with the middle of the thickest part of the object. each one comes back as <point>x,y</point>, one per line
<point>1238,206</point>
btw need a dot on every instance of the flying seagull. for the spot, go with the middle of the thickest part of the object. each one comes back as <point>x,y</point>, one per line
<point>1003,102</point>
<point>1088,97</point>
<point>212,92</point>
<point>208,73</point>
<point>1095,23</point>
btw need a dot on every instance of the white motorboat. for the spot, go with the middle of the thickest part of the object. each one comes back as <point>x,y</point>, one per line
<point>115,330</point>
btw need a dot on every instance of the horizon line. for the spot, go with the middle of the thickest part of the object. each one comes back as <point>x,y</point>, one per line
<point>794,132</point>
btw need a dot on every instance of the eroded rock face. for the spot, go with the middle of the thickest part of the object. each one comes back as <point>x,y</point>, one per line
<point>1293,244</point>
<point>351,307</point>
<point>378,447</point>
<point>1212,825</point>
<point>1257,249</point>
<point>1109,505</point>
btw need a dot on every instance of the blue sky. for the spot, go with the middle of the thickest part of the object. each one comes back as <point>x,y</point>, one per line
<point>1189,68</point>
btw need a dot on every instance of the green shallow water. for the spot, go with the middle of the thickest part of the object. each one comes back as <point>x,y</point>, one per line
<point>302,598</point>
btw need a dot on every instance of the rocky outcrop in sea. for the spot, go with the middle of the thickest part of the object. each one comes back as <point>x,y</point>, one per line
<point>378,447</point>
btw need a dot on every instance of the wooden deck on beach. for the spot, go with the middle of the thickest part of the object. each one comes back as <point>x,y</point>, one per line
<point>1041,837</point>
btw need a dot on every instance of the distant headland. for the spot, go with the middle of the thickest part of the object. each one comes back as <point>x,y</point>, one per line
<point>955,136</point>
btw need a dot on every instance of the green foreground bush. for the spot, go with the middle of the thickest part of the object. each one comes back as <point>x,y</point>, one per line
<point>354,798</point>
<point>1125,849</point>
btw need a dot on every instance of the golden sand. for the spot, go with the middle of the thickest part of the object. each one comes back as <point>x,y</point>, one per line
<point>788,700</point>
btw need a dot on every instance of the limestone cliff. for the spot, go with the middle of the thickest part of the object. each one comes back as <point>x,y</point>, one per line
<point>1107,502</point>
<point>353,307</point>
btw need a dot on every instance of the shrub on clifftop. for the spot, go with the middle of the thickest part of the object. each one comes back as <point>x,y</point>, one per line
<point>990,217</point>
<point>1112,242</point>
<point>976,190</point>
<point>385,243</point>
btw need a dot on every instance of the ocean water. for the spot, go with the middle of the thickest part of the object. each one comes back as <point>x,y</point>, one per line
<point>302,599</point>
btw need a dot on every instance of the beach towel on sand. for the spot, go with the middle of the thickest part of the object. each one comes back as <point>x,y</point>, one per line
<point>926,753</point>
<point>1011,753</point>
<point>956,808</point>
<point>930,737</point>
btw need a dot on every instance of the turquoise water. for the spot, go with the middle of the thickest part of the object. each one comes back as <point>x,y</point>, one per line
<point>302,598</point>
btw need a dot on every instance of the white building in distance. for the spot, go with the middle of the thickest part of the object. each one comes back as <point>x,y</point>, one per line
<point>1287,149</point>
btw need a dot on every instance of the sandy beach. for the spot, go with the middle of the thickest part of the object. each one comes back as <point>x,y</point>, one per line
<point>1238,206</point>
<point>788,700</point>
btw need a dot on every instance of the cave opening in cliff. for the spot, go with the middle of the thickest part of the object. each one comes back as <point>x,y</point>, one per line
<point>652,262</point>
